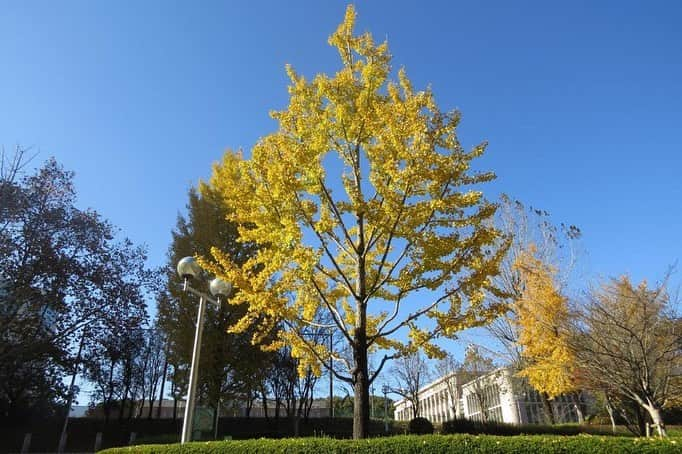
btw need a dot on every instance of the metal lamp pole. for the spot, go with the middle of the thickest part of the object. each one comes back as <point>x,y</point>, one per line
<point>385,390</point>
<point>189,269</point>
<point>331,374</point>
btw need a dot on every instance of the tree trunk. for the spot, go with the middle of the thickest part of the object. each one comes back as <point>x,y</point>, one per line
<point>416,407</point>
<point>309,406</point>
<point>641,419</point>
<point>632,409</point>
<point>122,406</point>
<point>296,419</point>
<point>131,407</point>
<point>252,398</point>
<point>289,406</point>
<point>360,374</point>
<point>265,404</point>
<point>143,391</point>
<point>163,382</point>
<point>174,391</point>
<point>124,400</point>
<point>483,405</point>
<point>654,413</point>
<point>301,406</point>
<point>292,414</point>
<point>249,404</point>
<point>360,386</point>
<point>657,419</point>
<point>611,411</point>
<point>110,395</point>
<point>578,410</point>
<point>106,405</point>
<point>151,406</point>
<point>216,418</point>
<point>547,407</point>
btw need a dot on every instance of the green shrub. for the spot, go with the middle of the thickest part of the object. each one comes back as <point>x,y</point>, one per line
<point>426,444</point>
<point>468,426</point>
<point>420,426</point>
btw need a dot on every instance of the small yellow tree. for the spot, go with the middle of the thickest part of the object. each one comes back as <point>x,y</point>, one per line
<point>543,324</point>
<point>358,201</point>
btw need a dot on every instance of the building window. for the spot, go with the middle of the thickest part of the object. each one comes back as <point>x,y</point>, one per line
<point>485,403</point>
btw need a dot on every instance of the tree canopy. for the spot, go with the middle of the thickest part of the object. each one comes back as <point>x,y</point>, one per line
<point>363,197</point>
<point>62,270</point>
<point>543,324</point>
<point>628,345</point>
<point>229,364</point>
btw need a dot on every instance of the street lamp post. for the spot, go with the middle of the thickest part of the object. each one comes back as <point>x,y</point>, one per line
<point>331,374</point>
<point>189,269</point>
<point>385,390</point>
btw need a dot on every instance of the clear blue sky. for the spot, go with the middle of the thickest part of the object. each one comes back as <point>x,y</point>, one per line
<point>581,101</point>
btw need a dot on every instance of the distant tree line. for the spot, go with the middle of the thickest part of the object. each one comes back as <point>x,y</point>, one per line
<point>72,294</point>
<point>74,299</point>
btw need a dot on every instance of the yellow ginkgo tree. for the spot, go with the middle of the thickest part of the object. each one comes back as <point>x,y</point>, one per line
<point>543,319</point>
<point>364,210</point>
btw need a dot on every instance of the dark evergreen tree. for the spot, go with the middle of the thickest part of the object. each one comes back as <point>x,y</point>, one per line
<point>231,366</point>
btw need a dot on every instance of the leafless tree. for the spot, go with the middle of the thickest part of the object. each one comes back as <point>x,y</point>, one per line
<point>476,365</point>
<point>411,372</point>
<point>449,369</point>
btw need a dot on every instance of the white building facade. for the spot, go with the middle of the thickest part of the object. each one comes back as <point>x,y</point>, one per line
<point>491,398</point>
<point>496,396</point>
<point>439,401</point>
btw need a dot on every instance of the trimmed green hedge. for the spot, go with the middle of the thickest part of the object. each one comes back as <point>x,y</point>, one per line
<point>426,444</point>
<point>469,426</point>
<point>420,426</point>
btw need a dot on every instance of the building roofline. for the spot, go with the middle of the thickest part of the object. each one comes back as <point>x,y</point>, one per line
<point>450,375</point>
